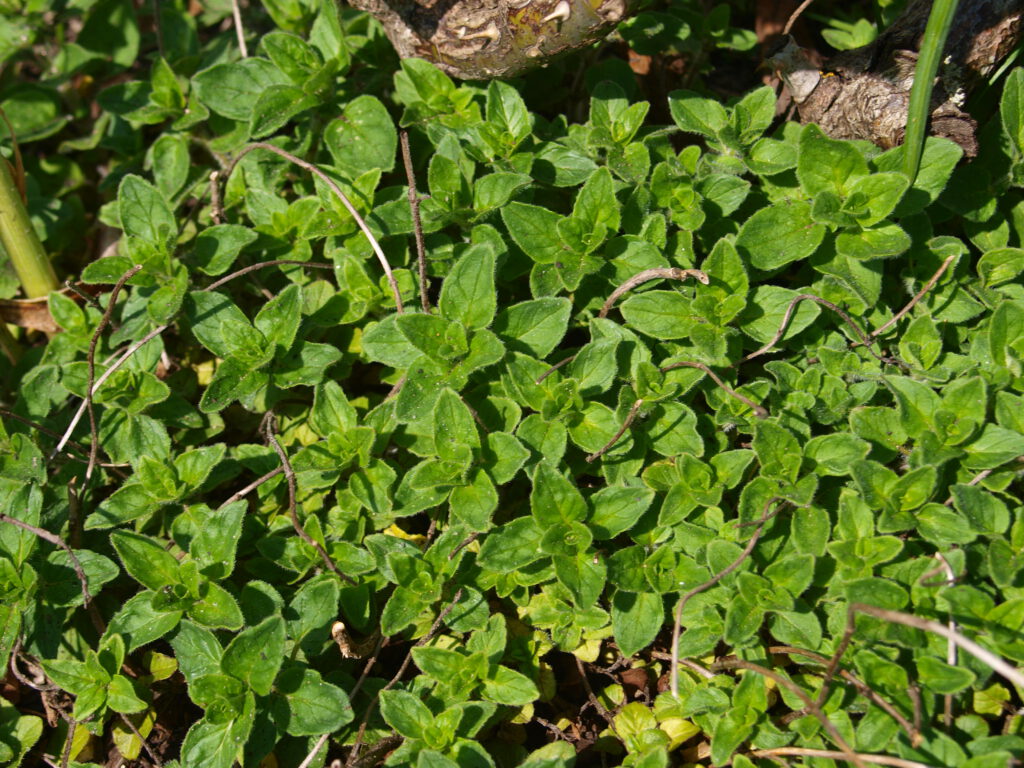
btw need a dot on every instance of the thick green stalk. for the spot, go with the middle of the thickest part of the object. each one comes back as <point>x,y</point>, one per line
<point>19,240</point>
<point>932,45</point>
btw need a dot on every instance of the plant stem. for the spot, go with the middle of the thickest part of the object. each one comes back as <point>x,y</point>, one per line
<point>919,110</point>
<point>19,239</point>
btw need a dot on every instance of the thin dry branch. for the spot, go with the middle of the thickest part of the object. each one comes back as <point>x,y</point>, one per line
<point>799,692</point>
<point>91,361</point>
<point>417,224</point>
<point>788,315</point>
<point>260,265</point>
<point>660,273</point>
<point>795,15</point>
<point>591,698</point>
<point>917,297</point>
<point>330,183</point>
<point>353,756</point>
<point>236,15</point>
<point>622,430</point>
<point>252,486</point>
<point>766,514</point>
<point>985,656</point>
<point>293,512</point>
<point>145,744</point>
<point>136,346</point>
<point>555,367</point>
<point>758,410</point>
<point>863,688</point>
<point>828,754</point>
<point>57,541</point>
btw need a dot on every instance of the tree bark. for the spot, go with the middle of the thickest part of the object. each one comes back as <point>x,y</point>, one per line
<point>482,39</point>
<point>864,93</point>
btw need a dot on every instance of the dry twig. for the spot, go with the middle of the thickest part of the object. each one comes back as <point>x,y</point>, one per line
<point>917,297</point>
<point>57,541</point>
<point>91,361</point>
<point>799,692</point>
<point>660,273</point>
<point>788,315</point>
<point>828,754</point>
<point>353,756</point>
<point>622,430</point>
<point>758,410</point>
<point>766,514</point>
<point>330,183</point>
<point>417,224</point>
<point>293,512</point>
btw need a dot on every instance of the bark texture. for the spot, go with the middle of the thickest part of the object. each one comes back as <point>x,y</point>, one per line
<point>482,39</point>
<point>864,93</point>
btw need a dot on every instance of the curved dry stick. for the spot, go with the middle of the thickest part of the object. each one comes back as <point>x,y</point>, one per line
<point>758,410</point>
<point>795,15</point>
<point>863,688</point>
<point>865,340</point>
<point>659,273</point>
<point>917,297</point>
<point>252,486</point>
<point>622,430</point>
<point>57,541</point>
<point>260,265</point>
<point>353,755</point>
<point>289,474</point>
<point>417,224</point>
<point>236,15</point>
<point>895,762</point>
<point>91,361</point>
<point>951,655</point>
<point>799,692</point>
<point>985,656</point>
<point>767,514</point>
<point>135,347</point>
<point>554,368</point>
<point>340,195</point>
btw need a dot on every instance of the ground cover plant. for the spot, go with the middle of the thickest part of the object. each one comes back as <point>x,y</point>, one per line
<point>598,417</point>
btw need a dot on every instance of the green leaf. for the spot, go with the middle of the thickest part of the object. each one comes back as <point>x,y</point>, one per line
<point>779,234</point>
<point>695,114</point>
<point>121,696</point>
<point>828,164</point>
<point>216,609</point>
<point>468,295</point>
<point>882,241</point>
<point>145,559</point>
<point>617,509</point>
<point>363,138</point>
<point>777,450</point>
<point>554,499</point>
<point>535,327</point>
<point>660,314</point>
<point>999,266</point>
<point>314,707</point>
<point>144,213</point>
<point>216,248</point>
<point>766,309</point>
<point>278,319</point>
<point>986,514</point>
<point>534,230</point>
<point>254,655</point>
<point>941,677</point>
<point>636,619</point>
<point>232,89</point>
<point>583,574</point>
<point>511,546</point>
<point>1011,109</point>
<point>508,687</point>
<point>215,543</point>
<point>406,714</point>
<point>506,111</point>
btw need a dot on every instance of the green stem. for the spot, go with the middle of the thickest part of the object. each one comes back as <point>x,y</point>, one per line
<point>932,45</point>
<point>19,239</point>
